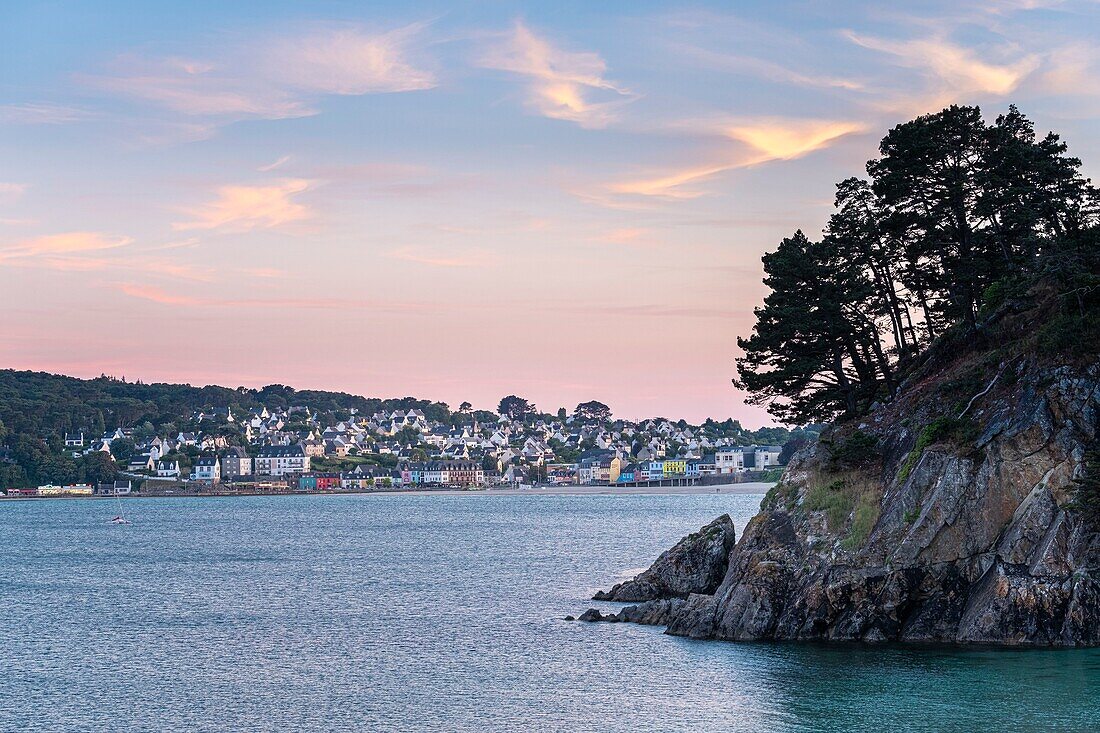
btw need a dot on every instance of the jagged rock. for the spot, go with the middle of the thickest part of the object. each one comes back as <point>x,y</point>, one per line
<point>971,540</point>
<point>652,613</point>
<point>696,564</point>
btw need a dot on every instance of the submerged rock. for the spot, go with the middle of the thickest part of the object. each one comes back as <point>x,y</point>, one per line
<point>696,564</point>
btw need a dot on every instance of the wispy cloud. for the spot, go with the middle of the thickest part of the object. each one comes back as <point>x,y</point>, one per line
<point>633,236</point>
<point>42,113</point>
<point>763,69</point>
<point>469,258</point>
<point>199,89</point>
<point>350,61</point>
<point>66,243</point>
<point>1072,69</point>
<point>956,70</point>
<point>563,85</point>
<point>154,294</point>
<point>157,295</point>
<point>267,273</point>
<point>786,139</point>
<point>763,140</point>
<point>242,208</point>
<point>662,311</point>
<point>670,184</point>
<point>273,165</point>
<point>273,78</point>
<point>11,190</point>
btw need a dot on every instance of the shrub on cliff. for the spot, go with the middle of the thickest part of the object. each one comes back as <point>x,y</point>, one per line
<point>1087,497</point>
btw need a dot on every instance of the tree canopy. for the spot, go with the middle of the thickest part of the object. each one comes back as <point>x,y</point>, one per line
<point>954,211</point>
<point>515,408</point>
<point>593,410</point>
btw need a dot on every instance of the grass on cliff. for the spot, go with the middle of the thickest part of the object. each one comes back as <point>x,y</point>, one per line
<point>1086,499</point>
<point>958,432</point>
<point>781,496</point>
<point>849,502</point>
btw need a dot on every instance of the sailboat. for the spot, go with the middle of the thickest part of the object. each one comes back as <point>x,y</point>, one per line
<point>119,518</point>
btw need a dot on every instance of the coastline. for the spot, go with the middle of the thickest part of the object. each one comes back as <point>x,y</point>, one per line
<point>754,487</point>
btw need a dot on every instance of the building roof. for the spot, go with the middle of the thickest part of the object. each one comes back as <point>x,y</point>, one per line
<point>281,451</point>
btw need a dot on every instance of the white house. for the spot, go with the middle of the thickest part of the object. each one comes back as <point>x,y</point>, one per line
<point>207,469</point>
<point>168,468</point>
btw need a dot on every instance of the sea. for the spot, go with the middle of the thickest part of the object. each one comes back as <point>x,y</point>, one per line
<point>439,613</point>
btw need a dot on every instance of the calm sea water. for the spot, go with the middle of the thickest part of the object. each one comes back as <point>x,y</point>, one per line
<point>437,613</point>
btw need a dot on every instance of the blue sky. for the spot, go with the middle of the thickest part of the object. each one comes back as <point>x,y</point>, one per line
<point>463,200</point>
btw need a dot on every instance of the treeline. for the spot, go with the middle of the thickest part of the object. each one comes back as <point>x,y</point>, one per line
<point>50,405</point>
<point>37,410</point>
<point>955,215</point>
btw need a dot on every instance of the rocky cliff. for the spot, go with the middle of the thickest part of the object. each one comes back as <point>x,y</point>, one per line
<point>696,564</point>
<point>947,515</point>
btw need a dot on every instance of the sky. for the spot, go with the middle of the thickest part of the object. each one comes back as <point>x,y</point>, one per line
<point>459,201</point>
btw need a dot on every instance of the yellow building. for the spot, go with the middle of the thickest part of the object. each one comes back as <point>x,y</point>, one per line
<point>675,467</point>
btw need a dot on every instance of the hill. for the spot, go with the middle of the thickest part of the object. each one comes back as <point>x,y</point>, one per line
<point>37,411</point>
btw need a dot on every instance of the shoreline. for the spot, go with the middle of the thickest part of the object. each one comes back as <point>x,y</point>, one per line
<point>749,487</point>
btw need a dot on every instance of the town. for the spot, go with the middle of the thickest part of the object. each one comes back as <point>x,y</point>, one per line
<point>292,450</point>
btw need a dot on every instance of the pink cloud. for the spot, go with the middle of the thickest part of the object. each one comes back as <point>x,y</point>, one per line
<point>470,258</point>
<point>42,113</point>
<point>273,78</point>
<point>67,243</point>
<point>350,61</point>
<point>562,85</point>
<point>242,208</point>
<point>156,295</point>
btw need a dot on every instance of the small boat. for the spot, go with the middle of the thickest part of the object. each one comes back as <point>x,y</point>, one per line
<point>120,517</point>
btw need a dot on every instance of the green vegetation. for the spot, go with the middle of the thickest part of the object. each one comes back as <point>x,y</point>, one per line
<point>843,499</point>
<point>1087,496</point>
<point>771,474</point>
<point>834,500</point>
<point>863,521</point>
<point>1070,332</point>
<point>958,223</point>
<point>958,432</point>
<point>855,451</point>
<point>780,496</point>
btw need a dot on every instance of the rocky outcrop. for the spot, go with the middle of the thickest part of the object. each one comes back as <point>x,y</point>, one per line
<point>696,564</point>
<point>952,528</point>
<point>658,612</point>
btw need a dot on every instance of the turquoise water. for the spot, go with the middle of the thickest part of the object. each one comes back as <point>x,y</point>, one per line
<point>437,613</point>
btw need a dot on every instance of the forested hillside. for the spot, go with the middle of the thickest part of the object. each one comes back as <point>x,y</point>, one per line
<point>38,409</point>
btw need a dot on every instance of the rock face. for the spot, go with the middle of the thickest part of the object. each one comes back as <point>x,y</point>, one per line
<point>952,528</point>
<point>696,564</point>
<point>651,613</point>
